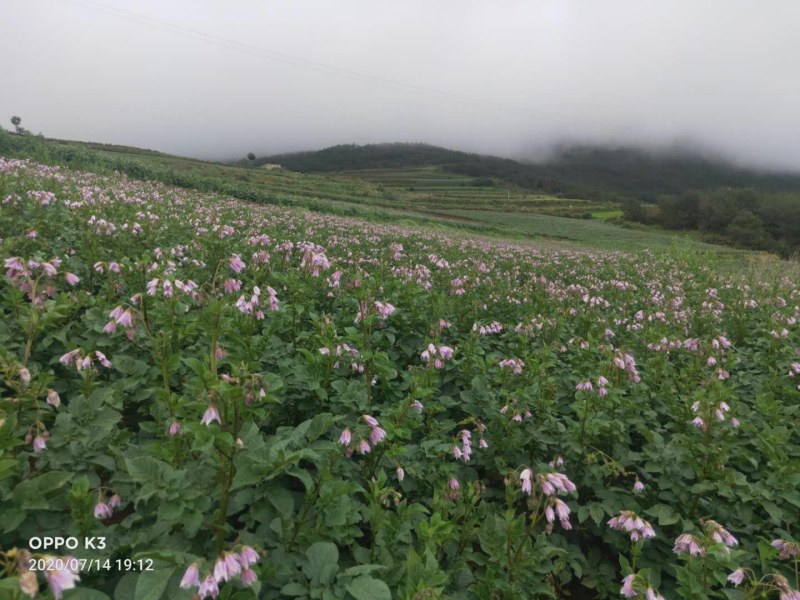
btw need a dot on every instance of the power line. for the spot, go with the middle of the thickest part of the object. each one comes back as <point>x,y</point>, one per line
<point>229,44</point>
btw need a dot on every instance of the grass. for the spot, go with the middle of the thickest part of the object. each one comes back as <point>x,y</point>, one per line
<point>590,233</point>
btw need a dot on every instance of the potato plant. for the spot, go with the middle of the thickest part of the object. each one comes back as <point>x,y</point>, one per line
<point>248,401</point>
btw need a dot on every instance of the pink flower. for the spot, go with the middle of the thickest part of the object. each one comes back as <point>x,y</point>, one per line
<point>211,414</point>
<point>191,577</point>
<point>13,265</point>
<point>102,510</point>
<point>371,421</point>
<point>719,534</point>
<point>226,567</point>
<point>376,435</point>
<point>651,594</point>
<point>231,286</point>
<point>453,483</point>
<point>72,279</point>
<point>401,474</point>
<point>346,437</point>
<point>737,577</point>
<point>688,543</point>
<point>627,586</point>
<point>53,398</point>
<point>103,360</point>
<point>24,375</point>
<point>787,549</point>
<point>236,263</point>
<point>114,501</point>
<point>208,588</point>
<point>248,576</point>
<point>39,444</point>
<point>446,352</point>
<point>61,580</point>
<point>638,486</point>
<point>525,477</point>
<point>174,428</point>
<point>364,447</point>
<point>248,556</point>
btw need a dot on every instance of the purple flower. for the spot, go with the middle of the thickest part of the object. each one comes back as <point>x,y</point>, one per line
<point>377,434</point>
<point>453,483</point>
<point>525,478</point>
<point>211,414</point>
<point>787,549</point>
<point>687,543</point>
<point>72,279</point>
<point>364,447</point>
<point>61,580</point>
<point>236,263</point>
<point>737,577</point>
<point>248,576</point>
<point>346,437</point>
<point>248,556</point>
<point>627,586</point>
<point>191,578</point>
<point>226,567</point>
<point>39,444</point>
<point>102,510</point>
<point>208,588</point>
<point>371,421</point>
<point>638,486</point>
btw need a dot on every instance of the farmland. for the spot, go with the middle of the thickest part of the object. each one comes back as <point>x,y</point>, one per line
<point>251,399</point>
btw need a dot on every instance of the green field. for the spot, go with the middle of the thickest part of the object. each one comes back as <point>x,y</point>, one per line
<point>424,196</point>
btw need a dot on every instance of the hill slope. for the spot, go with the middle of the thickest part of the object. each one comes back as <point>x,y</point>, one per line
<point>585,171</point>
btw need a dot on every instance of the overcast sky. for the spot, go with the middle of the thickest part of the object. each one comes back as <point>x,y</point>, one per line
<point>220,78</point>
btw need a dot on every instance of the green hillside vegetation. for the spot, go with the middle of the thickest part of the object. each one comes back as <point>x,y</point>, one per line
<point>445,202</point>
<point>583,171</point>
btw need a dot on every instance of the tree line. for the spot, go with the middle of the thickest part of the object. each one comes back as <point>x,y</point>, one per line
<point>747,218</point>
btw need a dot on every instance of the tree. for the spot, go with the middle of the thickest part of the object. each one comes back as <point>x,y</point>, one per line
<point>15,121</point>
<point>747,230</point>
<point>251,156</point>
<point>632,209</point>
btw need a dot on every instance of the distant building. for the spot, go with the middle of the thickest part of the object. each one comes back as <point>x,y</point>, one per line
<point>270,166</point>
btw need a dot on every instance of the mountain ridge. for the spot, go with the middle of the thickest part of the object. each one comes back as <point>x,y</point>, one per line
<point>585,170</point>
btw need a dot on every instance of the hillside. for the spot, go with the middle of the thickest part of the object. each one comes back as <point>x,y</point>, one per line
<point>582,171</point>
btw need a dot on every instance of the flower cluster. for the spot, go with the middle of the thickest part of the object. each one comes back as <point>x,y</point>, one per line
<point>515,365</point>
<point>627,363</point>
<point>84,362</point>
<point>226,567</point>
<point>103,509</point>
<point>436,356</point>
<point>631,523</point>
<point>376,434</point>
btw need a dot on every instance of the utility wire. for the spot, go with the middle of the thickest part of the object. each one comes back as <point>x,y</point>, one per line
<point>297,61</point>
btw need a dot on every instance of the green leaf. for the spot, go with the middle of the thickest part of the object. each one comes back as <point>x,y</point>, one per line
<point>367,588</point>
<point>81,593</point>
<point>150,585</point>
<point>32,493</point>
<point>319,555</point>
<point>294,589</point>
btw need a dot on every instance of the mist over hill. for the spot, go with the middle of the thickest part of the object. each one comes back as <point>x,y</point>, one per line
<point>579,170</point>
